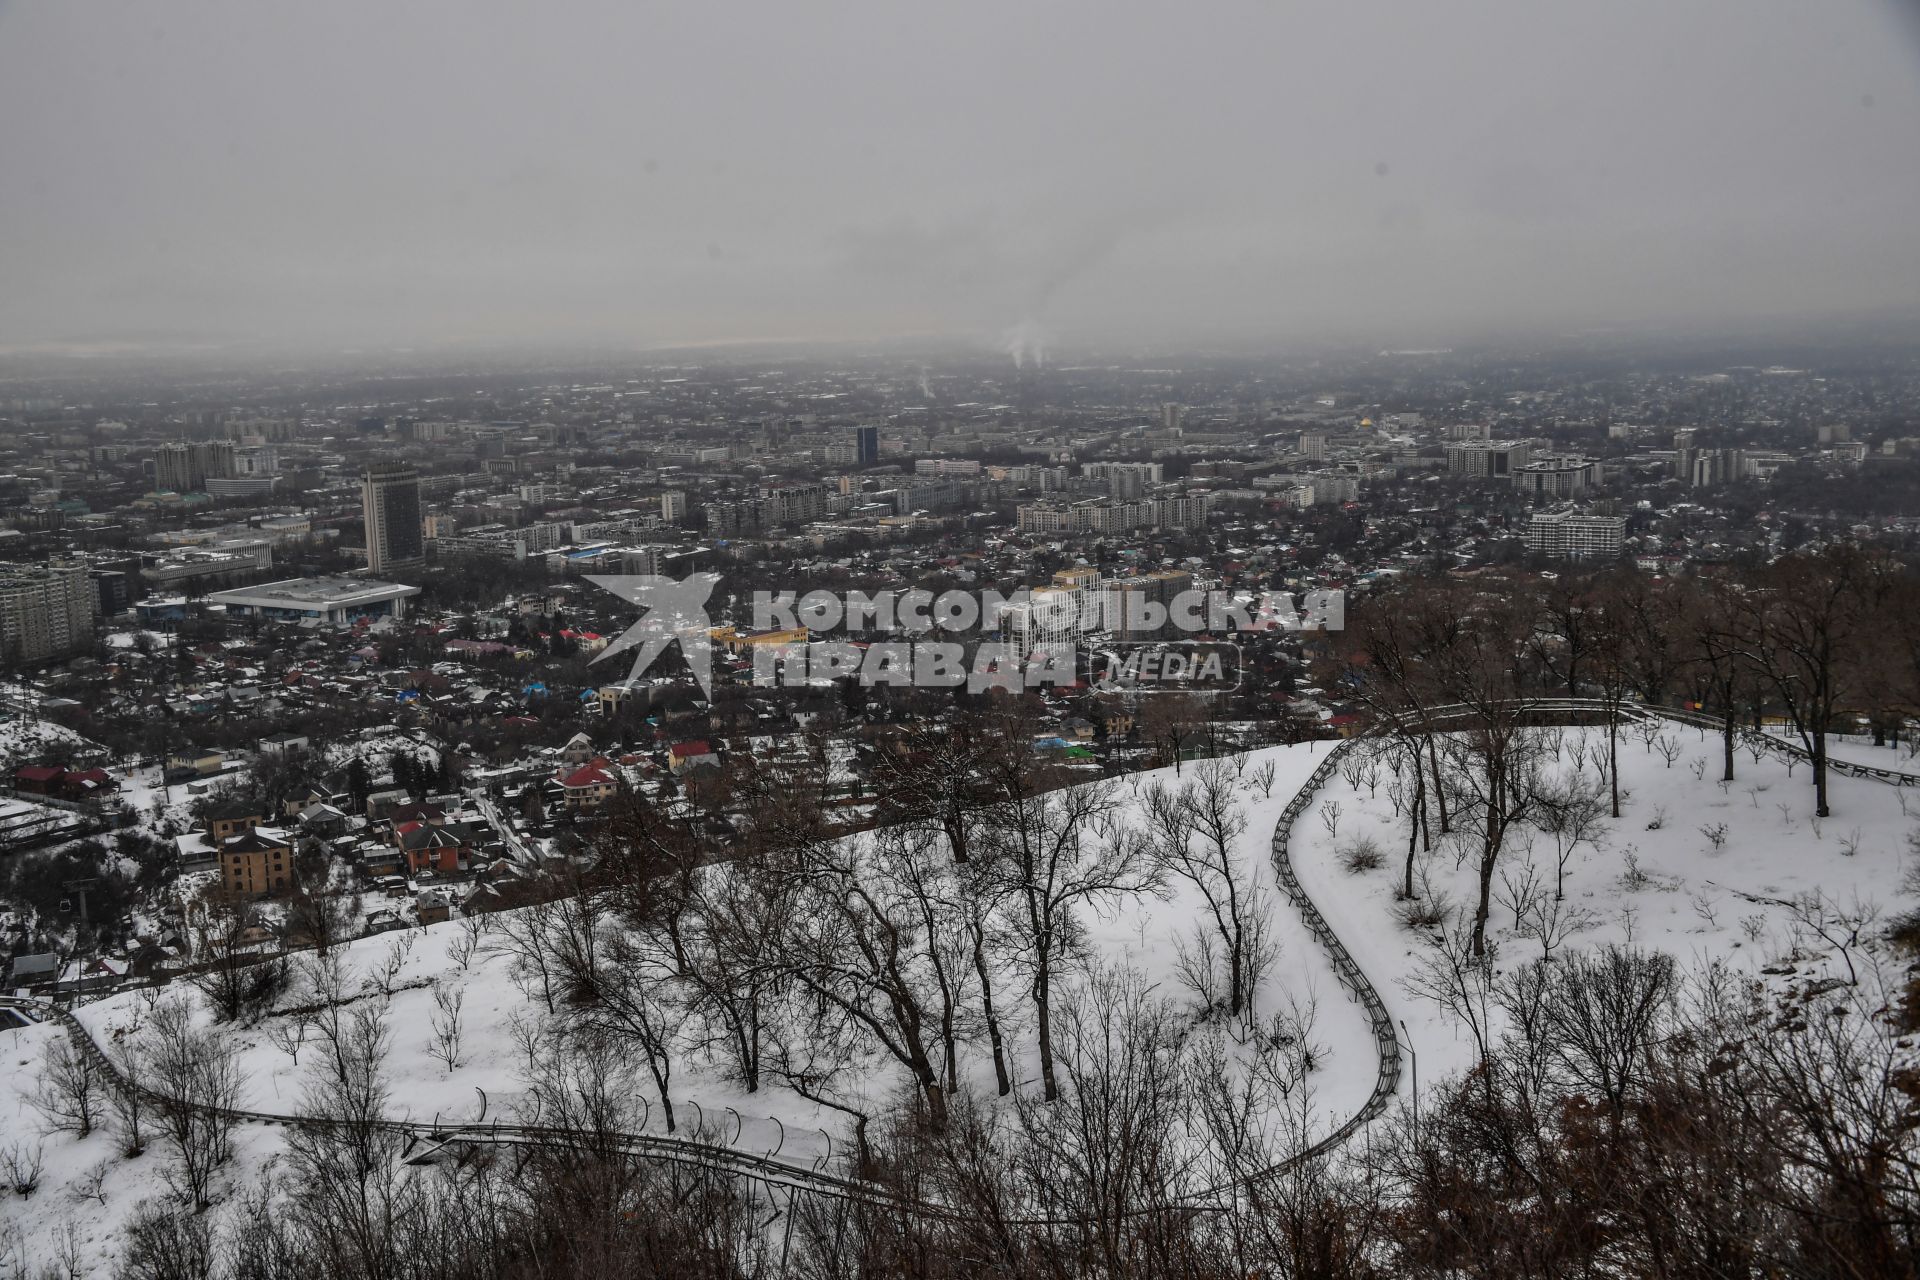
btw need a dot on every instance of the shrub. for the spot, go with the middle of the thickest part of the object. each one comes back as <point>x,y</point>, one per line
<point>1416,914</point>
<point>1362,855</point>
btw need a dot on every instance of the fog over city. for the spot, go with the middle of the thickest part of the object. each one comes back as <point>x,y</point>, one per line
<point>1018,174</point>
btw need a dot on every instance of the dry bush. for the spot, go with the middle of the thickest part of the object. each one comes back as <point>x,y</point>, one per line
<point>1430,912</point>
<point>1362,855</point>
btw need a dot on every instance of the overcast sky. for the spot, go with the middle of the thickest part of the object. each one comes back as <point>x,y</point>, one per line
<point>351,172</point>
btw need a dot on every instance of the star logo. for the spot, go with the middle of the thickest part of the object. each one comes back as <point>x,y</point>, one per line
<point>671,609</point>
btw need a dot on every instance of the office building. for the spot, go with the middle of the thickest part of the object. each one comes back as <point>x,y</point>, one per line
<point>334,601</point>
<point>1488,459</point>
<point>1567,534</point>
<point>1140,607</point>
<point>186,468</point>
<point>46,611</point>
<point>1557,477</point>
<point>390,500</point>
<point>866,446</point>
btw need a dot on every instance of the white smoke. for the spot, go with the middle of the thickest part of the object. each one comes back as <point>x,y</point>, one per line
<point>1026,341</point>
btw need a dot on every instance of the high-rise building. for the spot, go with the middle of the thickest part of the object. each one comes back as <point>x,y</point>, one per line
<point>866,446</point>
<point>46,611</point>
<point>1313,446</point>
<point>1140,607</point>
<point>1485,459</point>
<point>1576,535</point>
<point>173,469</point>
<point>1559,477</point>
<point>186,468</point>
<point>390,500</point>
<point>673,506</point>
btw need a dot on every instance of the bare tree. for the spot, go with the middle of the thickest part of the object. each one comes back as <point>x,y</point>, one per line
<point>446,1023</point>
<point>1053,853</point>
<point>860,944</point>
<point>1194,833</point>
<point>22,1166</point>
<point>1608,1012</point>
<point>163,1244</point>
<point>71,1092</point>
<point>1811,622</point>
<point>196,1077</point>
<point>126,1093</point>
<point>617,986</point>
<point>236,974</point>
<point>1569,810</point>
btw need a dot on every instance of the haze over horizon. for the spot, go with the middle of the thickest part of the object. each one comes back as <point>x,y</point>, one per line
<point>1022,175</point>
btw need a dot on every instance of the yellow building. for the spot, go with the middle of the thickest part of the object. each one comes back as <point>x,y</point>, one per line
<point>256,862</point>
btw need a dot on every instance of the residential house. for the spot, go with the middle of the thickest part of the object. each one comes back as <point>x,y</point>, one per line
<point>442,850</point>
<point>257,862</point>
<point>589,786</point>
<point>232,819</point>
<point>682,756</point>
<point>31,971</point>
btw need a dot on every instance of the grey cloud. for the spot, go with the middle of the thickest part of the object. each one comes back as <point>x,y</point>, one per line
<point>362,172</point>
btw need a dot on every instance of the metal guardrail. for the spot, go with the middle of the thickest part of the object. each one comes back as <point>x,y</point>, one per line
<point>768,1169</point>
<point>1358,987</point>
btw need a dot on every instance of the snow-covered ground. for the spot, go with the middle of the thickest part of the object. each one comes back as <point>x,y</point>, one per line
<point>1686,898</point>
<point>1690,898</point>
<point>1859,748</point>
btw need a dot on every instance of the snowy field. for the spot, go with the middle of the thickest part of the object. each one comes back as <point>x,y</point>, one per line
<point>1688,868</point>
<point>1701,893</point>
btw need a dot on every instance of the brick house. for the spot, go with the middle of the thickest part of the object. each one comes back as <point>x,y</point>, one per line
<point>257,862</point>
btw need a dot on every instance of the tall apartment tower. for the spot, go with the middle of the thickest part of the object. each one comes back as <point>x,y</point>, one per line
<point>173,470</point>
<point>45,611</point>
<point>390,499</point>
<point>184,468</point>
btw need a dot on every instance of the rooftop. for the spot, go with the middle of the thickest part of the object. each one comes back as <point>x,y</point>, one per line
<point>311,591</point>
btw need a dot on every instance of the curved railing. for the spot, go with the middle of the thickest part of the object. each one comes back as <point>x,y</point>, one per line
<point>1362,991</point>
<point>697,1152</point>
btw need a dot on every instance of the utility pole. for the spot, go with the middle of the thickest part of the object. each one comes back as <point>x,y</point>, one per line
<point>1407,1040</point>
<point>79,889</point>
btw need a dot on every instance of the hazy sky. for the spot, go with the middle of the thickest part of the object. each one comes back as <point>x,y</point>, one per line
<point>1409,171</point>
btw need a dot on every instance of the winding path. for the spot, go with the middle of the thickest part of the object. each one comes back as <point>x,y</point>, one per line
<point>768,1170</point>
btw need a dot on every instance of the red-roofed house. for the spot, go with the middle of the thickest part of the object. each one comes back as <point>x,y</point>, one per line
<point>589,786</point>
<point>41,779</point>
<point>433,848</point>
<point>682,755</point>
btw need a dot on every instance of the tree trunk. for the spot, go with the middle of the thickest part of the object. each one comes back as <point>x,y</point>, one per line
<point>1820,773</point>
<point>1613,758</point>
<point>986,1004</point>
<point>936,1107</point>
<point>1489,855</point>
<point>1439,785</point>
<point>1042,1001</point>
<point>1728,735</point>
<point>1419,817</point>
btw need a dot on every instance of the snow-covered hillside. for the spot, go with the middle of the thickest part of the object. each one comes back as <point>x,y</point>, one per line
<point>1739,873</point>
